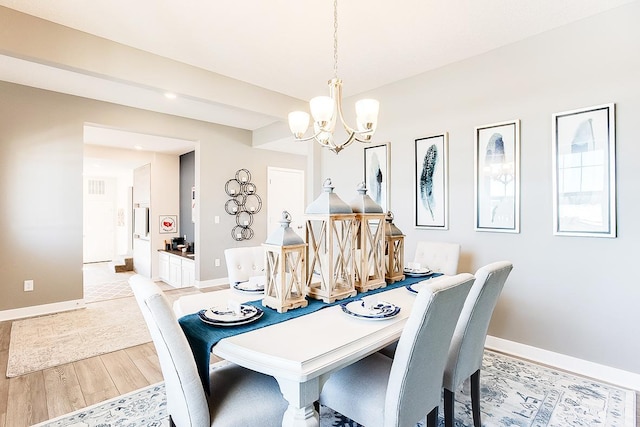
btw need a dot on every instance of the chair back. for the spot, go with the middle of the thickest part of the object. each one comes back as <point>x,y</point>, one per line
<point>415,381</point>
<point>440,257</point>
<point>244,262</point>
<point>467,344</point>
<point>186,400</point>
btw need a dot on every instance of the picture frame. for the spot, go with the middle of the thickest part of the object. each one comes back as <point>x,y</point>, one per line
<point>376,173</point>
<point>168,224</point>
<point>431,190</point>
<point>497,177</point>
<point>584,172</point>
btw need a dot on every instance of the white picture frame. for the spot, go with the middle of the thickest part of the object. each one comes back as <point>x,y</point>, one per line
<point>377,164</point>
<point>584,172</point>
<point>497,177</point>
<point>431,186</point>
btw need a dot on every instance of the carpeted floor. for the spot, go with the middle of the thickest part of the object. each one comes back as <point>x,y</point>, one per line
<point>514,393</point>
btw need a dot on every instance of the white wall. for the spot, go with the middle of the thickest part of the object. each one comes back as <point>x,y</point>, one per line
<point>571,295</point>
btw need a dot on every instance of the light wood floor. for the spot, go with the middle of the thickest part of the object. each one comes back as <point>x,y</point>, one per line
<point>46,394</point>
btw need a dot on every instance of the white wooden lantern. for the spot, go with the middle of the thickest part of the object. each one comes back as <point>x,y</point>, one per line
<point>285,268</point>
<point>369,261</point>
<point>330,239</point>
<point>394,250</point>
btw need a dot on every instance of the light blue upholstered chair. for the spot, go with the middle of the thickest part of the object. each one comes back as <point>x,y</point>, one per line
<point>379,391</point>
<point>467,344</point>
<point>232,386</point>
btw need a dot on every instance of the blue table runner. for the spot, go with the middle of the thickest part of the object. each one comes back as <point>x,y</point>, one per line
<point>202,337</point>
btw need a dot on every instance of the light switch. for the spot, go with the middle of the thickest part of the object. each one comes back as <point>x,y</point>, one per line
<point>216,219</point>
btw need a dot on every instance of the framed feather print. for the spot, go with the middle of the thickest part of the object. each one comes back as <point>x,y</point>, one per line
<point>584,172</point>
<point>431,186</point>
<point>497,177</point>
<point>376,174</point>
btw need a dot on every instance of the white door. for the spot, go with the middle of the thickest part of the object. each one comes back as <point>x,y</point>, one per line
<point>99,219</point>
<point>285,192</point>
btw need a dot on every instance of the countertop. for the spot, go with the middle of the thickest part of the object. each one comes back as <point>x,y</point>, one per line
<point>187,255</point>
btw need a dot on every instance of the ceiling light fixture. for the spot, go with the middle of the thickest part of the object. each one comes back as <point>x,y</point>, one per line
<point>326,109</point>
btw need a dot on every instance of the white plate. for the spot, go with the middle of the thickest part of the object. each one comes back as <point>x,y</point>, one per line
<point>222,314</point>
<point>229,324</point>
<point>383,310</point>
<point>249,287</point>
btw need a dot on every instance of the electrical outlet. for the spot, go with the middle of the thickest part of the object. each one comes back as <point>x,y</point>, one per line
<point>216,219</point>
<point>28,285</point>
<point>217,262</point>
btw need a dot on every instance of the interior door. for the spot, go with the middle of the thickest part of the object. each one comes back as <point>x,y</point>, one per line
<point>99,219</point>
<point>285,192</point>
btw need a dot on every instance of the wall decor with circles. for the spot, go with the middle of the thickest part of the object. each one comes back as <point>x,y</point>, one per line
<point>243,204</point>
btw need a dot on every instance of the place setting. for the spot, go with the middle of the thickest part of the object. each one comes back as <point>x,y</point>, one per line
<point>232,314</point>
<point>370,308</point>
<point>413,269</point>
<point>255,285</point>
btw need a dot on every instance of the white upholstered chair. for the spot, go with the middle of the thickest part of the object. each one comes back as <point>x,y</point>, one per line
<point>467,344</point>
<point>380,391</point>
<point>244,262</point>
<point>231,386</point>
<point>440,257</point>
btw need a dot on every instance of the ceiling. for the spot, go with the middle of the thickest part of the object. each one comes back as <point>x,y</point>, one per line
<point>286,46</point>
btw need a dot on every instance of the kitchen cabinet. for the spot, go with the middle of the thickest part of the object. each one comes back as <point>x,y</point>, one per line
<point>176,269</point>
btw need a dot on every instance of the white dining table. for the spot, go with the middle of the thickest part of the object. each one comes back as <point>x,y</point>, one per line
<point>302,353</point>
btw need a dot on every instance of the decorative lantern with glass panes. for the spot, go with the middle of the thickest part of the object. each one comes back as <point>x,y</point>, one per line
<point>394,250</point>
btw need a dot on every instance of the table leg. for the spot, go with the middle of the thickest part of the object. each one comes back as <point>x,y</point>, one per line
<point>301,397</point>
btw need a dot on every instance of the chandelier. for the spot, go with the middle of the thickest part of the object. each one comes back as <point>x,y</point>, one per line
<point>326,110</point>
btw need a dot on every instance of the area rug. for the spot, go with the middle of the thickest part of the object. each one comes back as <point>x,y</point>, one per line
<point>514,393</point>
<point>103,327</point>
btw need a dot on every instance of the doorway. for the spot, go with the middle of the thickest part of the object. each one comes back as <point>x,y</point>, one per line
<point>285,191</point>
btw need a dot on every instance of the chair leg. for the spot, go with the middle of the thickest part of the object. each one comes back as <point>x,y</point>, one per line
<point>475,398</point>
<point>432,418</point>
<point>171,423</point>
<point>449,401</point>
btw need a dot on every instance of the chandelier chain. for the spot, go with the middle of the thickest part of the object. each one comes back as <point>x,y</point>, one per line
<point>335,38</point>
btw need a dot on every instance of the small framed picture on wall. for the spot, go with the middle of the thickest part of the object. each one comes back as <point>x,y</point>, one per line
<point>376,173</point>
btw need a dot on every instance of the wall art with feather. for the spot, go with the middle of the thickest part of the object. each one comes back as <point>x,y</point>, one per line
<point>497,177</point>
<point>376,173</point>
<point>584,172</point>
<point>431,186</point>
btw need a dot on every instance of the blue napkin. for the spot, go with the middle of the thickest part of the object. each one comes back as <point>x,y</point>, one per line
<point>202,337</point>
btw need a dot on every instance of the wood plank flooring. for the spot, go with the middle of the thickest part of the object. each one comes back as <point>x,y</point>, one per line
<point>42,395</point>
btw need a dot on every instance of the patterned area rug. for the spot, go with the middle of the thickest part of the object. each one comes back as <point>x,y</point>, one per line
<point>514,393</point>
<point>42,342</point>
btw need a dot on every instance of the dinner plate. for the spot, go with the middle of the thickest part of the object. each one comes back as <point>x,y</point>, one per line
<point>249,287</point>
<point>382,310</point>
<point>229,324</point>
<point>417,272</point>
<point>222,314</point>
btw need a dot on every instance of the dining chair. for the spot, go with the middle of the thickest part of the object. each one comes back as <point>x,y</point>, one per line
<point>467,344</point>
<point>231,386</point>
<point>244,263</point>
<point>441,257</point>
<point>380,391</point>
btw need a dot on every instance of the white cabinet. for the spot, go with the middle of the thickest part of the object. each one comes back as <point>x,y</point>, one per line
<point>176,270</point>
<point>188,272</point>
<point>163,265</point>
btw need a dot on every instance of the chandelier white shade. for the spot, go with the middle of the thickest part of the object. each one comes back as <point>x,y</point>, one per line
<point>327,110</point>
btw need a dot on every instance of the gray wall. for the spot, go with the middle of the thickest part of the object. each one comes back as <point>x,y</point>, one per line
<point>187,181</point>
<point>41,150</point>
<point>571,295</point>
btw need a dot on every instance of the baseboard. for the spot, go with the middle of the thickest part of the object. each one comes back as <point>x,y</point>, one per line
<point>39,310</point>
<point>211,282</point>
<point>604,373</point>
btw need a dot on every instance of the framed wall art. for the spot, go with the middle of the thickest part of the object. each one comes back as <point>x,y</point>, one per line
<point>497,177</point>
<point>584,172</point>
<point>431,193</point>
<point>168,224</point>
<point>376,173</point>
